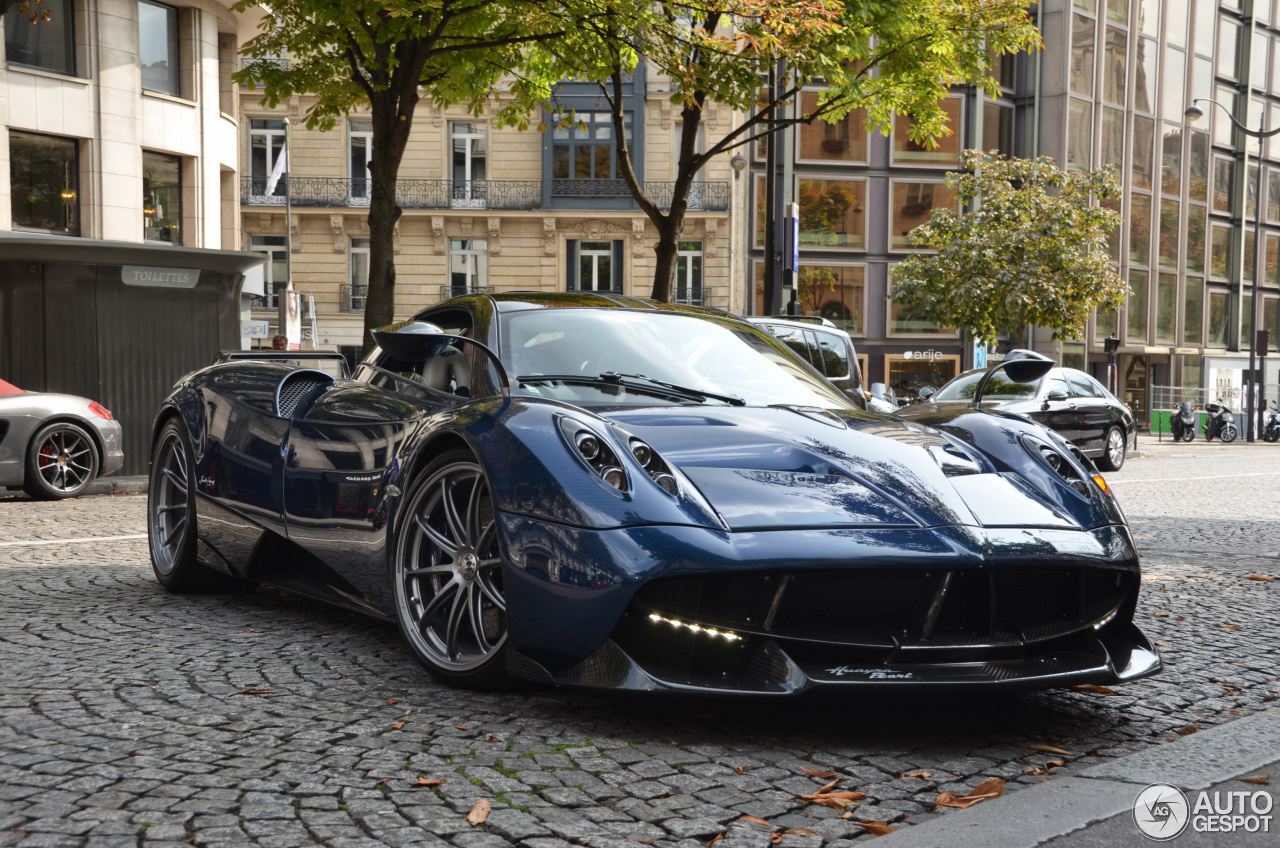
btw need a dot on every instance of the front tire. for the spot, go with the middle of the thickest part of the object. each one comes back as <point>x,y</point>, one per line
<point>61,462</point>
<point>447,575</point>
<point>1188,434</point>
<point>1228,434</point>
<point>1114,449</point>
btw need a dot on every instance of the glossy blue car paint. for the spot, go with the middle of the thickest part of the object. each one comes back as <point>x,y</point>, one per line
<point>312,501</point>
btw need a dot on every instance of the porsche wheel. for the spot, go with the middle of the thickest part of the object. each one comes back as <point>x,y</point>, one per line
<point>447,575</point>
<point>1113,451</point>
<point>61,463</point>
<point>171,519</point>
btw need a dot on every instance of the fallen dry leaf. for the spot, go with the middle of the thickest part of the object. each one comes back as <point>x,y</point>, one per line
<point>380,782</point>
<point>393,701</point>
<point>715,839</point>
<point>461,726</point>
<point>1259,779</point>
<point>1097,690</point>
<point>1162,643</point>
<point>738,769</point>
<point>493,739</point>
<point>925,774</point>
<point>875,828</point>
<point>251,691</point>
<point>1231,627</point>
<point>479,812</point>
<point>1179,618</point>
<point>992,787</point>
<point>1161,614</point>
<point>1259,578</point>
<point>423,781</point>
<point>1187,730</point>
<point>757,820</point>
<point>1049,749</point>
<point>397,725</point>
<point>816,773</point>
<point>801,831</point>
<point>827,787</point>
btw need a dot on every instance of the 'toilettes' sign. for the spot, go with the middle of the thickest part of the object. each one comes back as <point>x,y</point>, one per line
<point>165,278</point>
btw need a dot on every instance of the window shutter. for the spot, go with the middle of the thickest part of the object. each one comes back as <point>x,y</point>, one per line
<point>571,264</point>
<point>617,266</point>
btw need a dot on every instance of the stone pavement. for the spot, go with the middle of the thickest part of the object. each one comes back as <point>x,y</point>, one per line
<point>125,720</point>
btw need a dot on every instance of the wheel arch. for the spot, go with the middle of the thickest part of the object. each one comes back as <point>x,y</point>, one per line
<point>68,418</point>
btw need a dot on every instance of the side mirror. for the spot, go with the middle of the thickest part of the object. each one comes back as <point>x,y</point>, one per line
<point>927,392</point>
<point>1021,366</point>
<point>903,402</point>
<point>1056,394</point>
<point>417,341</point>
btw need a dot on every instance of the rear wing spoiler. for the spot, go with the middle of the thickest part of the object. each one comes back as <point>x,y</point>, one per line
<point>282,355</point>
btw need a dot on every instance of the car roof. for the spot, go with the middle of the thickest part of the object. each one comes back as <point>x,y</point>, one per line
<point>791,321</point>
<point>514,301</point>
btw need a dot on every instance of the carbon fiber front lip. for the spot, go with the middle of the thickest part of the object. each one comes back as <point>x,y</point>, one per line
<point>1116,657</point>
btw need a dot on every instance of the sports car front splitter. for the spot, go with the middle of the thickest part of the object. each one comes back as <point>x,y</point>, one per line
<point>1118,655</point>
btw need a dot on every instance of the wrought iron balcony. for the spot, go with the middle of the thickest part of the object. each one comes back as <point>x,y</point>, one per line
<point>341,192</point>
<point>351,298</point>
<point>703,196</point>
<point>716,297</point>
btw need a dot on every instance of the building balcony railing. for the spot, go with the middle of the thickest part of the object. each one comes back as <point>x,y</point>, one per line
<point>345,193</point>
<point>716,297</point>
<point>351,298</point>
<point>447,292</point>
<point>340,192</point>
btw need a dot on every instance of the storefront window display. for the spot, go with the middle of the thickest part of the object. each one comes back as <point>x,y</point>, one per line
<point>909,372</point>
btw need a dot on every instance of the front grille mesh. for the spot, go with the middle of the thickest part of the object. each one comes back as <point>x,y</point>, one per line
<point>891,608</point>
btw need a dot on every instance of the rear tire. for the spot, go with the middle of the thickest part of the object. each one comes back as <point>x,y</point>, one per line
<point>1114,449</point>
<point>61,462</point>
<point>171,518</point>
<point>447,575</point>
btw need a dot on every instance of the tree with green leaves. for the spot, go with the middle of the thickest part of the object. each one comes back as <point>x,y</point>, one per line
<point>1031,250</point>
<point>390,54</point>
<point>881,56</point>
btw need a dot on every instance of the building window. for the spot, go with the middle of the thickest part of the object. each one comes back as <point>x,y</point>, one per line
<point>904,322</point>
<point>470,158</point>
<point>1202,26</point>
<point>1144,133</point>
<point>689,273</point>
<point>1198,169</point>
<point>276,271</point>
<point>46,44</point>
<point>44,175</point>
<point>1145,76</point>
<point>1228,55</point>
<point>997,127</point>
<point>912,204</point>
<point>1082,56</point>
<point>1140,229</point>
<point>837,293</point>
<point>1193,317</point>
<point>594,265</point>
<point>1174,84</point>
<point>468,266</point>
<point>907,374</point>
<point>844,140</point>
<point>584,153</point>
<point>1167,309</point>
<point>162,197</point>
<point>1113,138</point>
<point>1224,177</point>
<point>1170,235</point>
<point>1219,251</point>
<point>832,213</point>
<point>359,153</point>
<point>1171,161</point>
<point>1136,308</point>
<point>1116,53</point>
<point>1079,135</point>
<point>1105,325</point>
<point>1218,316</point>
<point>947,151</point>
<point>266,145</point>
<point>1224,133</point>
<point>1195,239</point>
<point>358,285</point>
<point>158,47</point>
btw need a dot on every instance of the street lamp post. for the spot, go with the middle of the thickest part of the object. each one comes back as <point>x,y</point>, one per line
<point>1194,113</point>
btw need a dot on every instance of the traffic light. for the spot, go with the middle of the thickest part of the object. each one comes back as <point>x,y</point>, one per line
<point>1110,344</point>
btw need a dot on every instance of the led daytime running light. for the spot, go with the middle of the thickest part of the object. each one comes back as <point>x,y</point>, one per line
<point>696,628</point>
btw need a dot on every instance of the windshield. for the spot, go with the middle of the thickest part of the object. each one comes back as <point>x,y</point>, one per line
<point>999,387</point>
<point>698,353</point>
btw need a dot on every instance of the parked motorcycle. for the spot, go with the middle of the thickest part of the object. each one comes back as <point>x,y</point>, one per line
<point>1219,422</point>
<point>1271,430</point>
<point>1183,423</point>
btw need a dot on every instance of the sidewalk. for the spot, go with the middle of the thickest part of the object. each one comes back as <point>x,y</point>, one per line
<point>101,486</point>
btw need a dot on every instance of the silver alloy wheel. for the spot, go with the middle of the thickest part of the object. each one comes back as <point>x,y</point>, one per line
<point>1115,447</point>
<point>448,572</point>
<point>65,459</point>
<point>168,504</point>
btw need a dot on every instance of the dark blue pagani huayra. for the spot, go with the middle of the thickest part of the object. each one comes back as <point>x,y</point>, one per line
<point>598,491</point>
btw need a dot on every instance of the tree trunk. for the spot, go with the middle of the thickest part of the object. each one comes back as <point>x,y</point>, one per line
<point>391,121</point>
<point>665,251</point>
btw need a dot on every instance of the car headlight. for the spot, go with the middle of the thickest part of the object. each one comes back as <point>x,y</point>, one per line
<point>595,453</point>
<point>649,460</point>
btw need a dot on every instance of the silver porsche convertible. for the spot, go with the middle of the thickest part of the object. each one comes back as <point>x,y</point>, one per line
<point>54,445</point>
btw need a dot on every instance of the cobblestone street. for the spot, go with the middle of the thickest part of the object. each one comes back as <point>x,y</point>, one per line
<point>130,716</point>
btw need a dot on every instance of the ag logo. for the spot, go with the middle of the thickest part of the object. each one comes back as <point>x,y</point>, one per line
<point>1161,811</point>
